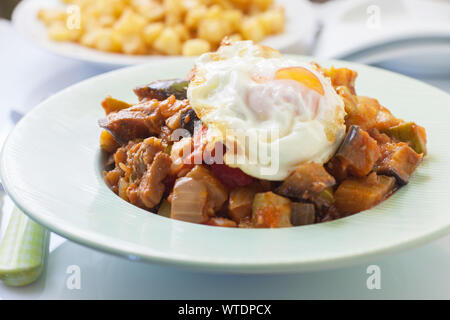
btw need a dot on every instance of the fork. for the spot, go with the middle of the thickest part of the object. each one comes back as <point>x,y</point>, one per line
<point>24,247</point>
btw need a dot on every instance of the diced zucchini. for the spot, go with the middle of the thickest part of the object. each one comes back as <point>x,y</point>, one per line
<point>358,153</point>
<point>411,133</point>
<point>164,209</point>
<point>324,198</point>
<point>271,211</point>
<point>306,182</point>
<point>162,89</point>
<point>302,213</point>
<point>358,194</point>
<point>399,161</point>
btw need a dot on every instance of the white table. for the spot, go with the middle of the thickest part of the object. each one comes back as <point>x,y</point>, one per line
<point>30,75</point>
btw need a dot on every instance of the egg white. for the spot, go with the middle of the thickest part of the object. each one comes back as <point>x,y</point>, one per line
<point>270,126</point>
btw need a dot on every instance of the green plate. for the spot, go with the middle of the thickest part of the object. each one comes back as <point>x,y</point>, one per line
<point>51,167</point>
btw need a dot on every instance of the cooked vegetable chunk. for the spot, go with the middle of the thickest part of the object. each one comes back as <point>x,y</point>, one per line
<point>306,182</point>
<point>399,161</point>
<point>324,198</point>
<point>302,213</point>
<point>139,121</point>
<point>217,193</point>
<point>271,211</point>
<point>358,194</point>
<point>110,104</point>
<point>107,142</point>
<point>188,200</point>
<point>125,126</point>
<point>221,222</point>
<point>179,151</point>
<point>162,89</point>
<point>411,133</point>
<point>240,203</point>
<point>231,177</point>
<point>189,120</point>
<point>342,77</point>
<point>164,209</point>
<point>369,114</point>
<point>151,187</point>
<point>358,153</point>
<point>350,100</point>
<point>141,154</point>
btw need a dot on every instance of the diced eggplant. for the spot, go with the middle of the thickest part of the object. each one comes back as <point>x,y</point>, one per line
<point>306,182</point>
<point>399,161</point>
<point>358,194</point>
<point>189,120</point>
<point>302,213</point>
<point>132,123</point>
<point>411,133</point>
<point>337,169</point>
<point>271,211</point>
<point>358,153</point>
<point>162,89</point>
<point>125,127</point>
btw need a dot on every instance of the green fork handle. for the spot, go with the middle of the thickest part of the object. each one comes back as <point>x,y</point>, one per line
<point>23,250</point>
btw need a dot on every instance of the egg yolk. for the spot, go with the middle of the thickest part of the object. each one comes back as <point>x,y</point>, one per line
<point>302,75</point>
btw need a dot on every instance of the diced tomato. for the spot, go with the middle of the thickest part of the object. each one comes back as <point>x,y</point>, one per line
<point>231,177</point>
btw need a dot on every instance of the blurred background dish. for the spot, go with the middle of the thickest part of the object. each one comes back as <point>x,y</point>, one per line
<point>407,36</point>
<point>296,37</point>
<point>168,27</point>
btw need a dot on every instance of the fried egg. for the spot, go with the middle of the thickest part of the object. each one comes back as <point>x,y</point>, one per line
<point>272,113</point>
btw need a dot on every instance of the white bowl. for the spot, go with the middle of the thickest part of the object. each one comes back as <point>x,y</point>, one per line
<point>51,167</point>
